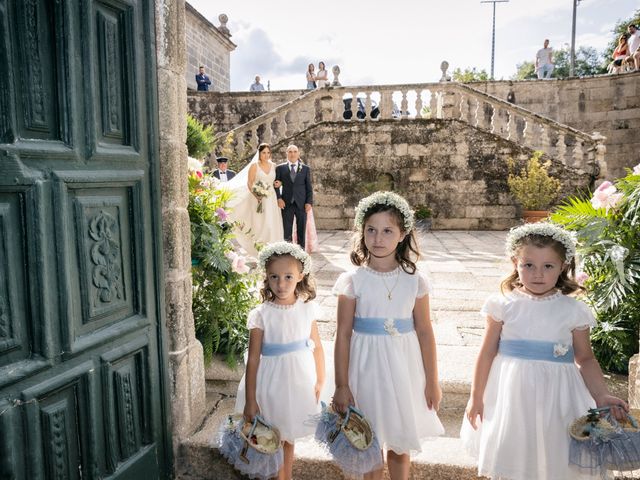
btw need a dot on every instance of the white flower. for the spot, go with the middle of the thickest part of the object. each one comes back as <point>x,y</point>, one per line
<point>636,169</point>
<point>606,196</point>
<point>390,327</point>
<point>560,350</point>
<point>285,248</point>
<point>385,198</point>
<point>566,238</point>
<point>194,164</point>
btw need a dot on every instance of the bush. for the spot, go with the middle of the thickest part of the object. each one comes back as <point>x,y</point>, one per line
<point>223,290</point>
<point>200,139</point>
<point>422,212</point>
<point>608,229</point>
<point>533,187</point>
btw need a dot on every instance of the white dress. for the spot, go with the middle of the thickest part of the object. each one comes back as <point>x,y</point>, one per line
<point>529,404</point>
<point>264,227</point>
<point>386,372</point>
<point>285,383</point>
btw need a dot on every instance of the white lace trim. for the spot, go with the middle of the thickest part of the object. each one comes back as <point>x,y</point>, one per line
<point>535,298</point>
<point>281,307</point>
<point>391,273</point>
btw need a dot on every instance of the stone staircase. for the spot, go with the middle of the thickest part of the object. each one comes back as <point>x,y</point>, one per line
<point>411,102</point>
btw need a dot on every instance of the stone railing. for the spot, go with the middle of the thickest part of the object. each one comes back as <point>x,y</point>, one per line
<point>447,101</point>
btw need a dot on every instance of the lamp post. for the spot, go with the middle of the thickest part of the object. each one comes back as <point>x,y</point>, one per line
<point>572,58</point>
<point>493,32</point>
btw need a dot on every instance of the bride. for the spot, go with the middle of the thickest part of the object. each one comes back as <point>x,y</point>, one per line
<point>255,227</point>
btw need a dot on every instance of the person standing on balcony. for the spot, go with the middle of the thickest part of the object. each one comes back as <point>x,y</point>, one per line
<point>322,78</point>
<point>202,80</point>
<point>544,61</point>
<point>311,77</point>
<point>257,86</point>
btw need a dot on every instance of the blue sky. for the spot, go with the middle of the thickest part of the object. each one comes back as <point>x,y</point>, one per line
<point>402,41</point>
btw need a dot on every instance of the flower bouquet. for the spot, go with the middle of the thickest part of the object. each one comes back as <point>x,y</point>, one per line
<point>254,449</point>
<point>260,190</point>
<point>350,440</point>
<point>600,443</point>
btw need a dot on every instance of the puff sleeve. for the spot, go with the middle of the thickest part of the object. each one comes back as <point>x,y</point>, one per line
<point>584,318</point>
<point>344,285</point>
<point>494,306</point>
<point>424,285</point>
<point>254,320</point>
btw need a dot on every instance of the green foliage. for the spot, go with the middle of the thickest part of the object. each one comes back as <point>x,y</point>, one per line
<point>533,187</point>
<point>620,29</point>
<point>422,211</point>
<point>222,294</point>
<point>610,251</point>
<point>470,75</point>
<point>200,139</point>
<point>588,62</point>
<point>525,71</point>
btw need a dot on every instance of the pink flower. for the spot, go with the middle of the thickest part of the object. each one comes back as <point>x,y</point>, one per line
<point>581,277</point>
<point>238,265</point>
<point>198,174</point>
<point>222,215</point>
<point>605,196</point>
<point>636,169</point>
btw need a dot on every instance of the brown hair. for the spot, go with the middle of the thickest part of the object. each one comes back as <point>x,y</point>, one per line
<point>407,251</point>
<point>262,146</point>
<point>306,288</point>
<point>566,281</point>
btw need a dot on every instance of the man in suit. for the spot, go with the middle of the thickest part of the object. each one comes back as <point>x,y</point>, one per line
<point>296,197</point>
<point>222,173</point>
<point>202,80</point>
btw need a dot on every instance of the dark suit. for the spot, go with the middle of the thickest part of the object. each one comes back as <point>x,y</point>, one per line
<point>203,82</point>
<point>295,194</point>
<point>230,174</point>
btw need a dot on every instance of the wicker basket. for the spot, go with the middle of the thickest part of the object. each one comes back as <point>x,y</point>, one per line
<point>356,429</point>
<point>251,433</point>
<point>599,442</point>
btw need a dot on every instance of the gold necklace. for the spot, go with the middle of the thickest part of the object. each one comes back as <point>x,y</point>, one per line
<point>390,290</point>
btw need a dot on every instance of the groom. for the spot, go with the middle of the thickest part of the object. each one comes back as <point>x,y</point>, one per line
<point>297,195</point>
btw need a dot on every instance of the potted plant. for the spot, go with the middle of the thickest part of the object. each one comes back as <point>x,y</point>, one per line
<point>423,216</point>
<point>533,188</point>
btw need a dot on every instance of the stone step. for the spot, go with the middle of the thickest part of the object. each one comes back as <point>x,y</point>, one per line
<point>199,459</point>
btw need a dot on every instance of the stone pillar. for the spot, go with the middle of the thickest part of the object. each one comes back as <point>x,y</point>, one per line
<point>634,381</point>
<point>186,363</point>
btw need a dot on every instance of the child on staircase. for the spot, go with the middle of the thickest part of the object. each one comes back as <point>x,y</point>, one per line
<point>285,368</point>
<point>536,372</point>
<point>385,351</point>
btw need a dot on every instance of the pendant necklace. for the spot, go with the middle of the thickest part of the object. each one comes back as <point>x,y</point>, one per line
<point>390,290</point>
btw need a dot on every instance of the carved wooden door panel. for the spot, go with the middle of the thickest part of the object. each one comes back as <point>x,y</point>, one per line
<point>82,382</point>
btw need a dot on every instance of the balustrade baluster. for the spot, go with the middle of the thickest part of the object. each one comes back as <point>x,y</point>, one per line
<point>511,126</point>
<point>282,125</point>
<point>367,106</point>
<point>464,108</point>
<point>578,154</point>
<point>561,148</point>
<point>474,113</point>
<point>434,104</point>
<point>253,139</point>
<point>404,106</point>
<point>386,105</point>
<point>266,136</point>
<point>532,139</point>
<point>418,104</point>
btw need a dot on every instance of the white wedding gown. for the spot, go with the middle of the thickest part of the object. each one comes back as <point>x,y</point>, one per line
<point>264,227</point>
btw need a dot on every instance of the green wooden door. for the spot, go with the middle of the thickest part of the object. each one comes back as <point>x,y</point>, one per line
<point>82,370</point>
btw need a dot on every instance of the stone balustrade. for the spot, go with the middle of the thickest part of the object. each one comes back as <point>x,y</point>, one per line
<point>448,101</point>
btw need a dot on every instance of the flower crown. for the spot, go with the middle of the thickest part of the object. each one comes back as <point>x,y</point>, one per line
<point>545,229</point>
<point>385,198</point>
<point>285,248</point>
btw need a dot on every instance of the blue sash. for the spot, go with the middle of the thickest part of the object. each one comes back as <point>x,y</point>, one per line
<point>274,349</point>
<point>383,326</point>
<point>537,350</point>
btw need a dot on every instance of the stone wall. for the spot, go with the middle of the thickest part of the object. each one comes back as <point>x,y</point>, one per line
<point>457,170</point>
<point>208,46</point>
<point>609,104</point>
<point>186,382</point>
<point>228,110</point>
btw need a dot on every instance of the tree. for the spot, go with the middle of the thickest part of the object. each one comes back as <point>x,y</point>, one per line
<point>588,62</point>
<point>470,75</point>
<point>526,71</point>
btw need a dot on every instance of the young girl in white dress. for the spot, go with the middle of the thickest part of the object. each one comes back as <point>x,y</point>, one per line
<point>535,372</point>
<point>285,368</point>
<point>385,350</point>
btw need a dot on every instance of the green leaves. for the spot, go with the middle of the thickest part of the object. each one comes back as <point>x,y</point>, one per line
<point>609,247</point>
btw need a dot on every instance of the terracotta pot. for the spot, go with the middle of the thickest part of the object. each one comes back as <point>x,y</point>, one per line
<point>534,216</point>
